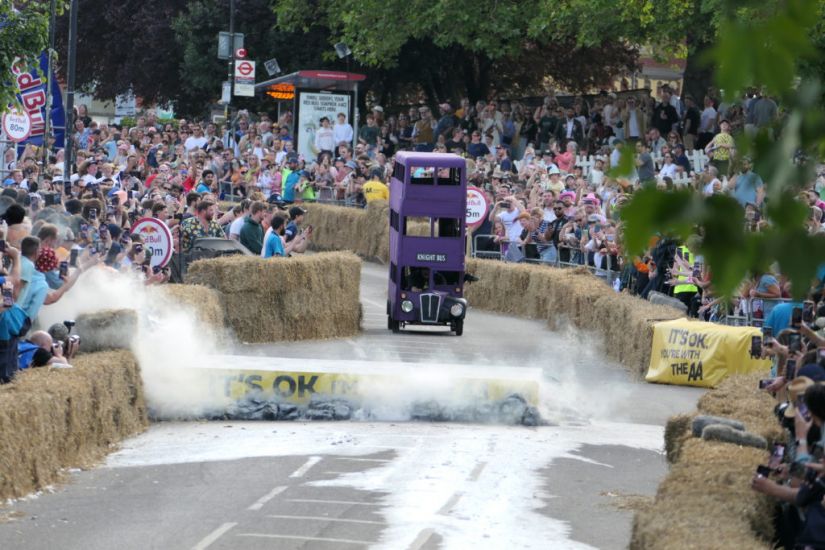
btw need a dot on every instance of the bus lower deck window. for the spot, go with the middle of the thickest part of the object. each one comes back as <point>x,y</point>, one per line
<point>415,279</point>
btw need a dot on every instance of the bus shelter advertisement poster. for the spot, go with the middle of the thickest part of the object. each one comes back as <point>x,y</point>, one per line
<point>312,106</point>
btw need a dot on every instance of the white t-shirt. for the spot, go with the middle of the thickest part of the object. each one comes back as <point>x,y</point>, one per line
<point>668,170</point>
<point>342,132</point>
<point>633,124</point>
<point>507,218</point>
<point>236,225</point>
<point>708,121</point>
<point>193,143</point>
<point>514,231</point>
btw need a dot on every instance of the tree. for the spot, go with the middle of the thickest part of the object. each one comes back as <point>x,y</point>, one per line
<point>125,45</point>
<point>24,34</point>
<point>472,45</point>
<point>781,49</point>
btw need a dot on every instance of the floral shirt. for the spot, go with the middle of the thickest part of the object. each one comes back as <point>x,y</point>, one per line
<point>46,260</point>
<point>192,229</point>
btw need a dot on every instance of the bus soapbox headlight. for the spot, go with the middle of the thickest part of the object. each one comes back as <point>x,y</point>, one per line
<point>456,310</point>
<point>406,306</point>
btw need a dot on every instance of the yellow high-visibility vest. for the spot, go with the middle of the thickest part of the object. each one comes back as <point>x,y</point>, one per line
<point>678,289</point>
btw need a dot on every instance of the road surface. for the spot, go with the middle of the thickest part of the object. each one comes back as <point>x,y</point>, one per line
<point>245,485</point>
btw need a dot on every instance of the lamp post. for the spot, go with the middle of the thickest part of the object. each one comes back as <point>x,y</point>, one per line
<point>70,80</point>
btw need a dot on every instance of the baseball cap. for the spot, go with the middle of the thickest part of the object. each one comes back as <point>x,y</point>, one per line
<point>351,164</point>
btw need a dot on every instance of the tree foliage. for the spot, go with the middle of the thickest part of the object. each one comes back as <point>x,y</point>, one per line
<point>24,34</point>
<point>780,48</point>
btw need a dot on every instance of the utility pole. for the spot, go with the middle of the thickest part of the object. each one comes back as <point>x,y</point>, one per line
<point>49,84</point>
<point>72,65</point>
<point>231,58</point>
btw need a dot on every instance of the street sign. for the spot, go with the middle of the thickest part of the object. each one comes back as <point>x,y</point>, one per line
<point>17,125</point>
<point>272,67</point>
<point>240,53</point>
<point>226,91</point>
<point>245,78</point>
<point>477,207</point>
<point>157,240</point>
<point>225,47</point>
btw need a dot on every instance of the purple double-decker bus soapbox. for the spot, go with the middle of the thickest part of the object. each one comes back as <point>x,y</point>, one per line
<point>428,192</point>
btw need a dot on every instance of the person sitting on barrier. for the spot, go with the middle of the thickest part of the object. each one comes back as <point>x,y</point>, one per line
<point>293,229</point>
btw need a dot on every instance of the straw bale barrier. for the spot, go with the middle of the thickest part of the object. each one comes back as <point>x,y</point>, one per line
<point>364,231</point>
<point>706,502</point>
<point>570,295</point>
<point>107,329</point>
<point>299,298</point>
<point>202,301</point>
<point>56,419</point>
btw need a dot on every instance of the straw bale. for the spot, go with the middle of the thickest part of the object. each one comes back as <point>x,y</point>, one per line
<point>677,431</point>
<point>728,434</point>
<point>341,228</point>
<point>56,419</point>
<point>202,301</point>
<point>570,295</point>
<point>737,397</point>
<point>299,298</point>
<point>107,329</point>
<point>706,502</point>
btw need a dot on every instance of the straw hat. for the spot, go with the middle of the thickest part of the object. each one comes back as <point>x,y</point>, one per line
<point>796,389</point>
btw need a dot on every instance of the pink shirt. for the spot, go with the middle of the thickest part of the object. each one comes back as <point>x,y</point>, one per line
<point>565,161</point>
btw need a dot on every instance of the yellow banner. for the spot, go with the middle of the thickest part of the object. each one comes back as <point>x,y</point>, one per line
<point>300,387</point>
<point>695,353</point>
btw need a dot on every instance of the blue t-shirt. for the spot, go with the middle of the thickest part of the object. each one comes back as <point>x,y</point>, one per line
<point>779,317</point>
<point>477,150</point>
<point>746,187</point>
<point>35,292</point>
<point>202,188</point>
<point>765,282</point>
<point>274,246</point>
<point>289,186</point>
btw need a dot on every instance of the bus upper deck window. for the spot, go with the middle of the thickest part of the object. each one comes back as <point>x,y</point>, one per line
<point>449,176</point>
<point>448,227</point>
<point>422,176</point>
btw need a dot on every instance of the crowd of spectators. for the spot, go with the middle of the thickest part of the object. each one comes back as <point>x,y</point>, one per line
<point>794,472</point>
<point>545,170</point>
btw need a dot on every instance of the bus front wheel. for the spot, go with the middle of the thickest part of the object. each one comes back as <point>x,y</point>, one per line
<point>458,327</point>
<point>393,325</point>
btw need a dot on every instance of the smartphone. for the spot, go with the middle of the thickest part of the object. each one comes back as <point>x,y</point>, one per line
<point>138,248</point>
<point>104,230</point>
<point>115,201</point>
<point>796,317</point>
<point>765,383</point>
<point>130,194</point>
<point>765,471</point>
<point>802,408</point>
<point>156,269</point>
<point>808,312</point>
<point>3,245</point>
<point>64,269</point>
<point>795,343</point>
<point>790,369</point>
<point>67,188</point>
<point>8,298</point>
<point>679,253</point>
<point>776,456</point>
<point>93,250</point>
<point>93,213</point>
<point>767,332</point>
<point>756,346</point>
<point>73,257</point>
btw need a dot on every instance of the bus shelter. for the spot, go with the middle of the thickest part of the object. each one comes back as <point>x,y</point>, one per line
<point>314,94</point>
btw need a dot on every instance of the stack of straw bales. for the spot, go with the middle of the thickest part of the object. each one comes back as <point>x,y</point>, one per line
<point>202,301</point>
<point>107,330</point>
<point>56,419</point>
<point>706,501</point>
<point>365,232</point>
<point>570,295</point>
<point>299,298</point>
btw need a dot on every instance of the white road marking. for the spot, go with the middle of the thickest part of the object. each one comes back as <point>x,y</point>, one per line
<point>474,475</point>
<point>317,518</point>
<point>421,539</point>
<point>266,498</point>
<point>449,504</point>
<point>363,459</point>
<point>213,536</point>
<point>344,502</point>
<point>311,461</point>
<point>314,539</point>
